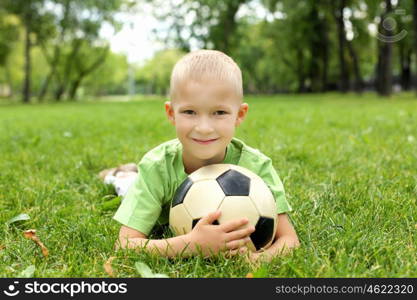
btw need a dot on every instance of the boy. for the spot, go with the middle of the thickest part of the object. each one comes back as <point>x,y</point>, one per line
<point>206,106</point>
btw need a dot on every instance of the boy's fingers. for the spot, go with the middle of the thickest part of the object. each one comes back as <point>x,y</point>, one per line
<point>233,225</point>
<point>210,218</point>
<point>239,234</point>
<point>237,243</point>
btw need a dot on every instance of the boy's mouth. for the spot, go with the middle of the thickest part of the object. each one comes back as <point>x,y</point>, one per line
<point>204,142</point>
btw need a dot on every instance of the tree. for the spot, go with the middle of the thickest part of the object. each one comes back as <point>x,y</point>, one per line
<point>95,56</point>
<point>110,77</point>
<point>359,42</point>
<point>404,44</point>
<point>319,44</point>
<point>223,35</point>
<point>154,76</point>
<point>77,33</point>
<point>339,7</point>
<point>302,35</point>
<point>208,23</point>
<point>33,18</point>
<point>9,33</point>
<point>58,36</point>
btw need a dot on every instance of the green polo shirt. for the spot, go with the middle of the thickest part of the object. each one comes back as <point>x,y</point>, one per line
<point>161,171</point>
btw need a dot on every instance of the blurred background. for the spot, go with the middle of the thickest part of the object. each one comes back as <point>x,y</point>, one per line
<point>72,50</point>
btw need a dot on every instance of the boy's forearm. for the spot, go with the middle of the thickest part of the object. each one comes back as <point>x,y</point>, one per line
<point>167,247</point>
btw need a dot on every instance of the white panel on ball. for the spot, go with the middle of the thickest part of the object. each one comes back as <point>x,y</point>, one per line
<point>180,220</point>
<point>263,198</point>
<point>236,207</point>
<point>204,197</point>
<point>209,172</point>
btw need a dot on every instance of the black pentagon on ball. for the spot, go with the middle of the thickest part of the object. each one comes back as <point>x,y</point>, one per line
<point>263,233</point>
<point>195,221</point>
<point>181,191</point>
<point>234,183</point>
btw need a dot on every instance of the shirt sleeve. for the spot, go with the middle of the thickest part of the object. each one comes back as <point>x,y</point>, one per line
<point>142,205</point>
<point>271,178</point>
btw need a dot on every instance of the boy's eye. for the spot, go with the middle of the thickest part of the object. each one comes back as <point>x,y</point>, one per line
<point>188,112</point>
<point>220,112</point>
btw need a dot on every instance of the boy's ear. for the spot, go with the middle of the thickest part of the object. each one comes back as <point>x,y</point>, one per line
<point>170,112</point>
<point>243,110</point>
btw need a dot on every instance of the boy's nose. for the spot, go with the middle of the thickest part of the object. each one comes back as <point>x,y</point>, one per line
<point>203,126</point>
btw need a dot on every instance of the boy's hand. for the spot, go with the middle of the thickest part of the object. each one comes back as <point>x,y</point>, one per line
<point>211,239</point>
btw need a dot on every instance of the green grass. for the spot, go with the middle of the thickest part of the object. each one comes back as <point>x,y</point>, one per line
<point>348,164</point>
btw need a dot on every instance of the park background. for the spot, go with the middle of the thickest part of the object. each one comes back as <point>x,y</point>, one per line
<point>332,92</point>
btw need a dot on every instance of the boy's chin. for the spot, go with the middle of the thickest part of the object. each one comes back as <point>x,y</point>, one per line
<point>208,156</point>
<point>205,157</point>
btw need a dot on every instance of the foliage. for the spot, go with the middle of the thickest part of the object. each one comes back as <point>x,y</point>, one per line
<point>295,46</point>
<point>77,49</point>
<point>206,23</point>
<point>280,45</point>
<point>68,33</point>
<point>261,70</point>
<point>153,77</point>
<point>8,35</point>
<point>110,77</point>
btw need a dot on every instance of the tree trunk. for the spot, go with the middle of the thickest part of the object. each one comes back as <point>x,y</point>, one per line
<point>28,62</point>
<point>356,68</point>
<point>385,82</point>
<point>378,68</point>
<point>83,73</point>
<point>59,92</point>
<point>300,71</point>
<point>74,87</point>
<point>316,50</point>
<point>325,57</point>
<point>229,25</point>
<point>63,82</point>
<point>405,63</point>
<point>344,75</point>
<point>45,86</point>
<point>54,61</point>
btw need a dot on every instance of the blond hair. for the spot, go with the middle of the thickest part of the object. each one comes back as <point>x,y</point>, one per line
<point>206,64</point>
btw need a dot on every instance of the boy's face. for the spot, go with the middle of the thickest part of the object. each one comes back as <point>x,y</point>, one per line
<point>205,115</point>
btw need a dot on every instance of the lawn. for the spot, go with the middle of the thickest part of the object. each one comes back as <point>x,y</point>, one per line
<point>348,164</point>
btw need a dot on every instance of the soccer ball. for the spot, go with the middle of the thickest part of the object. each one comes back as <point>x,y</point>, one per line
<point>235,191</point>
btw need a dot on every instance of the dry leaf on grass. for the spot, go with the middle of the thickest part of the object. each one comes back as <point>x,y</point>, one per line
<point>108,268</point>
<point>249,275</point>
<point>2,247</point>
<point>31,235</point>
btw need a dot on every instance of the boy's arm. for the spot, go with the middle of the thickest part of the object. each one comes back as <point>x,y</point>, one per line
<point>205,238</point>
